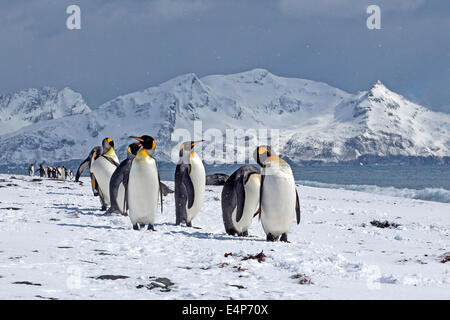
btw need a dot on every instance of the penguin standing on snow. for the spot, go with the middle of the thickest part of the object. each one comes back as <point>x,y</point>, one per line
<point>278,195</point>
<point>31,170</point>
<point>42,171</point>
<point>58,172</point>
<point>190,181</point>
<point>96,151</point>
<point>240,200</point>
<point>119,181</point>
<point>102,169</point>
<point>144,186</point>
<point>94,154</point>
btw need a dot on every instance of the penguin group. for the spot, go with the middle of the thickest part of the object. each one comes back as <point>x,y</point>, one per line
<point>133,188</point>
<point>59,172</point>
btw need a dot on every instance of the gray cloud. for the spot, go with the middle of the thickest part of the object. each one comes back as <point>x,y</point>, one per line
<point>129,45</point>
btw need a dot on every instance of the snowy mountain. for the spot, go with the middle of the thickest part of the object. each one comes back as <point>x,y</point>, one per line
<point>316,122</point>
<point>30,106</point>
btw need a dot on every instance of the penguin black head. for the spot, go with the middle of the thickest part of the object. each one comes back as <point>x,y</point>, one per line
<point>134,148</point>
<point>147,142</point>
<point>107,144</point>
<point>261,154</point>
<point>188,146</point>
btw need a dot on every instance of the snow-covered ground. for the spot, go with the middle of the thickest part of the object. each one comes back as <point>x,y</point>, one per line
<point>55,243</point>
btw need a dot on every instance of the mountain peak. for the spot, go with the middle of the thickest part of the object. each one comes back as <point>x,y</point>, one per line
<point>33,105</point>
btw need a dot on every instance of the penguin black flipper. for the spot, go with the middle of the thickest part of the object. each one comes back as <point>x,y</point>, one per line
<point>81,168</point>
<point>118,177</point>
<point>180,194</point>
<point>188,185</point>
<point>159,184</point>
<point>229,203</point>
<point>240,196</point>
<point>126,178</point>
<point>297,206</point>
<point>261,195</point>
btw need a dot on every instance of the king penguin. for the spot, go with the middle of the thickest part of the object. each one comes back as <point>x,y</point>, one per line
<point>278,195</point>
<point>94,154</point>
<point>102,169</point>
<point>42,171</point>
<point>119,181</point>
<point>31,170</point>
<point>143,186</point>
<point>190,181</point>
<point>240,200</point>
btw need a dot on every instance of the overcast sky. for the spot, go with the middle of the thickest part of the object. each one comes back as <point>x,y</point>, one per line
<point>128,45</point>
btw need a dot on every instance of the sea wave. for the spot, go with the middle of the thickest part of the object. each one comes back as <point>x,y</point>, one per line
<point>428,194</point>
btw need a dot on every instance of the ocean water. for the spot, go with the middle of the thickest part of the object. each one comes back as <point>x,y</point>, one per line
<point>423,182</point>
<point>431,182</point>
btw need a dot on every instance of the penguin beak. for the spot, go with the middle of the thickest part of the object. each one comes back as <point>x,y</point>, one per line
<point>197,142</point>
<point>137,138</point>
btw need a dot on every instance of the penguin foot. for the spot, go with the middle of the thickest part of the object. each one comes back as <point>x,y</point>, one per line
<point>188,224</point>
<point>284,238</point>
<point>103,208</point>
<point>151,227</point>
<point>111,210</point>
<point>270,238</point>
<point>135,227</point>
<point>244,234</point>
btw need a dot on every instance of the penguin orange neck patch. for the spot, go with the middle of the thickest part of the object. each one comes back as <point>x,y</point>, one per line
<point>143,154</point>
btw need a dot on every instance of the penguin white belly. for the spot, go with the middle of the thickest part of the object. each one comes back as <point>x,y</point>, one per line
<point>198,178</point>
<point>251,204</point>
<point>121,196</point>
<point>103,170</point>
<point>278,204</point>
<point>143,190</point>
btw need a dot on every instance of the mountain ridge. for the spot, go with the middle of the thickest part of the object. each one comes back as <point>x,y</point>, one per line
<point>316,122</point>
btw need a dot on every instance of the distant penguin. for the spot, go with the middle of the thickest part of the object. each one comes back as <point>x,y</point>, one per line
<point>49,172</point>
<point>102,169</point>
<point>278,197</point>
<point>240,200</point>
<point>70,174</point>
<point>42,171</point>
<point>190,180</point>
<point>119,181</point>
<point>64,172</point>
<point>31,170</point>
<point>143,186</point>
<point>58,172</point>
